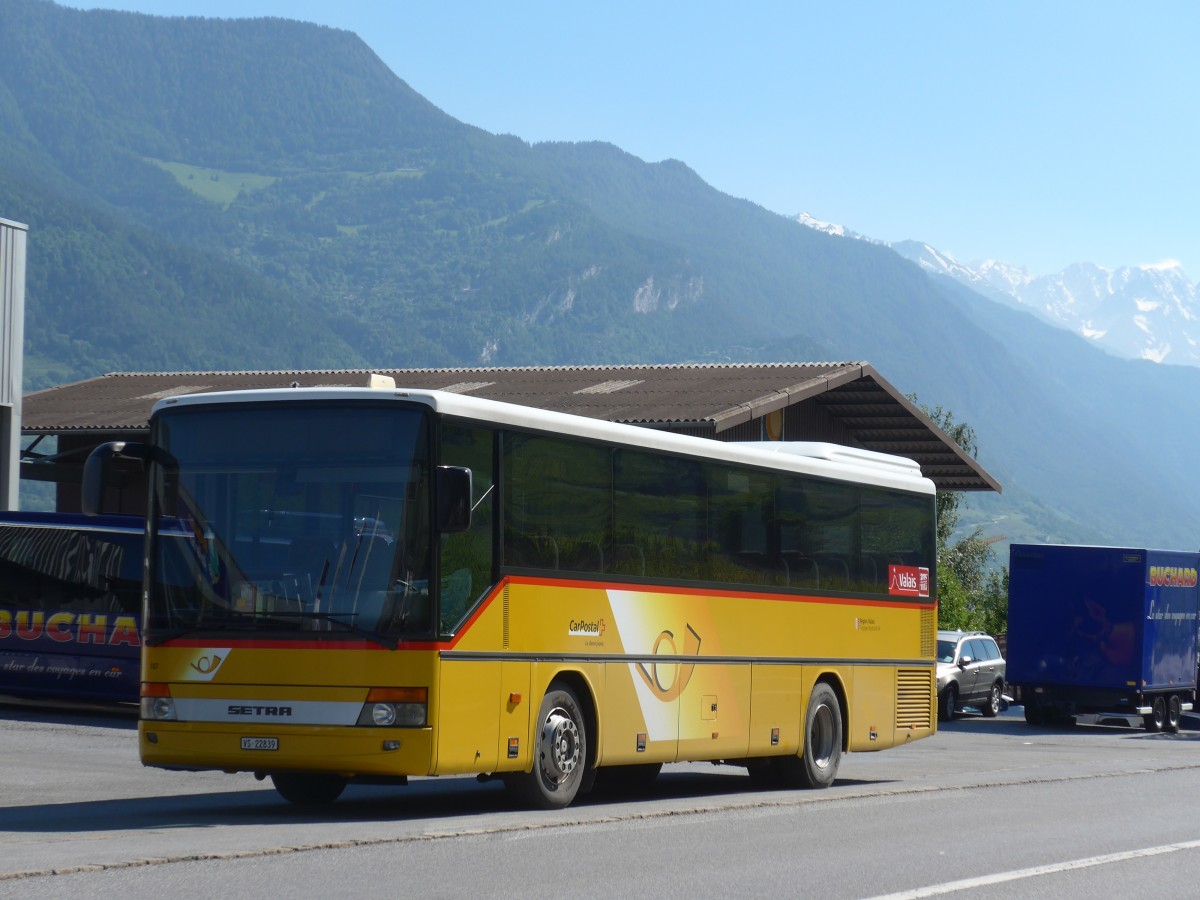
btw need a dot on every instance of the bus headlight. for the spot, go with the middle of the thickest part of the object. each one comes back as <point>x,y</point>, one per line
<point>388,707</point>
<point>383,714</point>
<point>157,704</point>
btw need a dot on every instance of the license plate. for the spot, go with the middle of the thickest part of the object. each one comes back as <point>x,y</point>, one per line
<point>249,743</point>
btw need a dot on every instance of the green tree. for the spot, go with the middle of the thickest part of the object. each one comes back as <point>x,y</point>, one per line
<point>972,595</point>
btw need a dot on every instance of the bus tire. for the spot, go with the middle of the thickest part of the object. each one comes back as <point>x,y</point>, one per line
<point>308,790</point>
<point>560,753</point>
<point>1174,712</point>
<point>817,764</point>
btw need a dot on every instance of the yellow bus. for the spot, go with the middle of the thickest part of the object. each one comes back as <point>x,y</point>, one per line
<point>366,584</point>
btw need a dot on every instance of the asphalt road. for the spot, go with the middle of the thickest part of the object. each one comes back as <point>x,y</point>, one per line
<point>992,807</point>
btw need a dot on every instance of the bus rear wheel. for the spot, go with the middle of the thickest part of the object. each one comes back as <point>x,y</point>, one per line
<point>560,753</point>
<point>817,764</point>
<point>308,790</point>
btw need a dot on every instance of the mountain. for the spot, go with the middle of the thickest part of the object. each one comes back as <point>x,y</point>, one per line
<point>832,228</point>
<point>1136,312</point>
<point>1149,312</point>
<point>256,194</point>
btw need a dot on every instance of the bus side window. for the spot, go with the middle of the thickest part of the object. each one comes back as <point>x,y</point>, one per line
<point>557,504</point>
<point>76,569</point>
<point>123,580</point>
<point>741,509</point>
<point>465,571</point>
<point>660,507</point>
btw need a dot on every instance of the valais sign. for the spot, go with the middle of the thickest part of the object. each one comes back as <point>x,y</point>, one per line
<point>908,581</point>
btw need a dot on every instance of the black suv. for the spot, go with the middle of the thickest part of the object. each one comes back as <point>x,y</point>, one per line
<point>970,672</point>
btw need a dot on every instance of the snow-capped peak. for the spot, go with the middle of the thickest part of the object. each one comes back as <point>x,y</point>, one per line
<point>1166,265</point>
<point>1149,311</point>
<point>830,228</point>
<point>817,225</point>
<point>1145,312</point>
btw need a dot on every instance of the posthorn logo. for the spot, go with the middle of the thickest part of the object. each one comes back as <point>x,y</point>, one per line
<point>205,663</point>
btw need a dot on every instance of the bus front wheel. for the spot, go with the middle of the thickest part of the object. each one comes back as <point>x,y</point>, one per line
<point>817,765</point>
<point>308,790</point>
<point>559,753</point>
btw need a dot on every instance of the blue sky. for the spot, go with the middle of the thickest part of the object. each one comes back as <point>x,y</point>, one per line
<point>1038,133</point>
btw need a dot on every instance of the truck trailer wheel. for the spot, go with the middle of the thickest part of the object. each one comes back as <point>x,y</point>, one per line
<point>1174,711</point>
<point>1034,714</point>
<point>1156,720</point>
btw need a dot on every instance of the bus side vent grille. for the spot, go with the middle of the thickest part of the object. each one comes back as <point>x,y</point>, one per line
<point>506,616</point>
<point>928,633</point>
<point>914,698</point>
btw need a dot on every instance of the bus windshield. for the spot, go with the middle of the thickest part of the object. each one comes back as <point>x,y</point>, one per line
<point>296,520</point>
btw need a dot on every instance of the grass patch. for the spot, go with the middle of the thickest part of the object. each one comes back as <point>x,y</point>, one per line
<point>214,185</point>
<point>391,175</point>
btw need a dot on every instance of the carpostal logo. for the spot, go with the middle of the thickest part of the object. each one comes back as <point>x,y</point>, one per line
<point>908,581</point>
<point>1172,576</point>
<point>586,628</point>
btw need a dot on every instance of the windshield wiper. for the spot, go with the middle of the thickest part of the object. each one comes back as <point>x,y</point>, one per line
<point>154,640</point>
<point>379,638</point>
<point>260,623</point>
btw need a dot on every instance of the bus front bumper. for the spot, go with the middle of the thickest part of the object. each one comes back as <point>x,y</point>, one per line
<point>347,751</point>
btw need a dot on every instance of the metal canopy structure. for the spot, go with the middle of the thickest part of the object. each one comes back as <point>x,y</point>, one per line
<point>848,403</point>
<point>881,421</point>
<point>13,240</point>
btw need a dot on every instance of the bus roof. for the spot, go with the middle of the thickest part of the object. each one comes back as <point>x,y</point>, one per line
<point>819,459</point>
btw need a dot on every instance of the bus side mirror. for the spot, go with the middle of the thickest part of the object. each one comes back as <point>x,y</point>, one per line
<point>96,472</point>
<point>453,486</point>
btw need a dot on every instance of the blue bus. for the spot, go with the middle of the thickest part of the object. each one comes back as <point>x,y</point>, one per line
<point>70,606</point>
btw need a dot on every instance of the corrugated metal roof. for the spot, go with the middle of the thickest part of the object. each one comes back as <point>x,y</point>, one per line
<point>872,412</point>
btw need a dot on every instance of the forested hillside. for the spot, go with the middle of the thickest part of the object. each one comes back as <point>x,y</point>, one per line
<point>210,194</point>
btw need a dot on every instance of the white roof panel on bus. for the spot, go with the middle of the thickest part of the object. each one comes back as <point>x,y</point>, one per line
<point>820,459</point>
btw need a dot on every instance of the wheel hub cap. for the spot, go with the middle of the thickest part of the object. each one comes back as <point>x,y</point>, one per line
<point>560,742</point>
